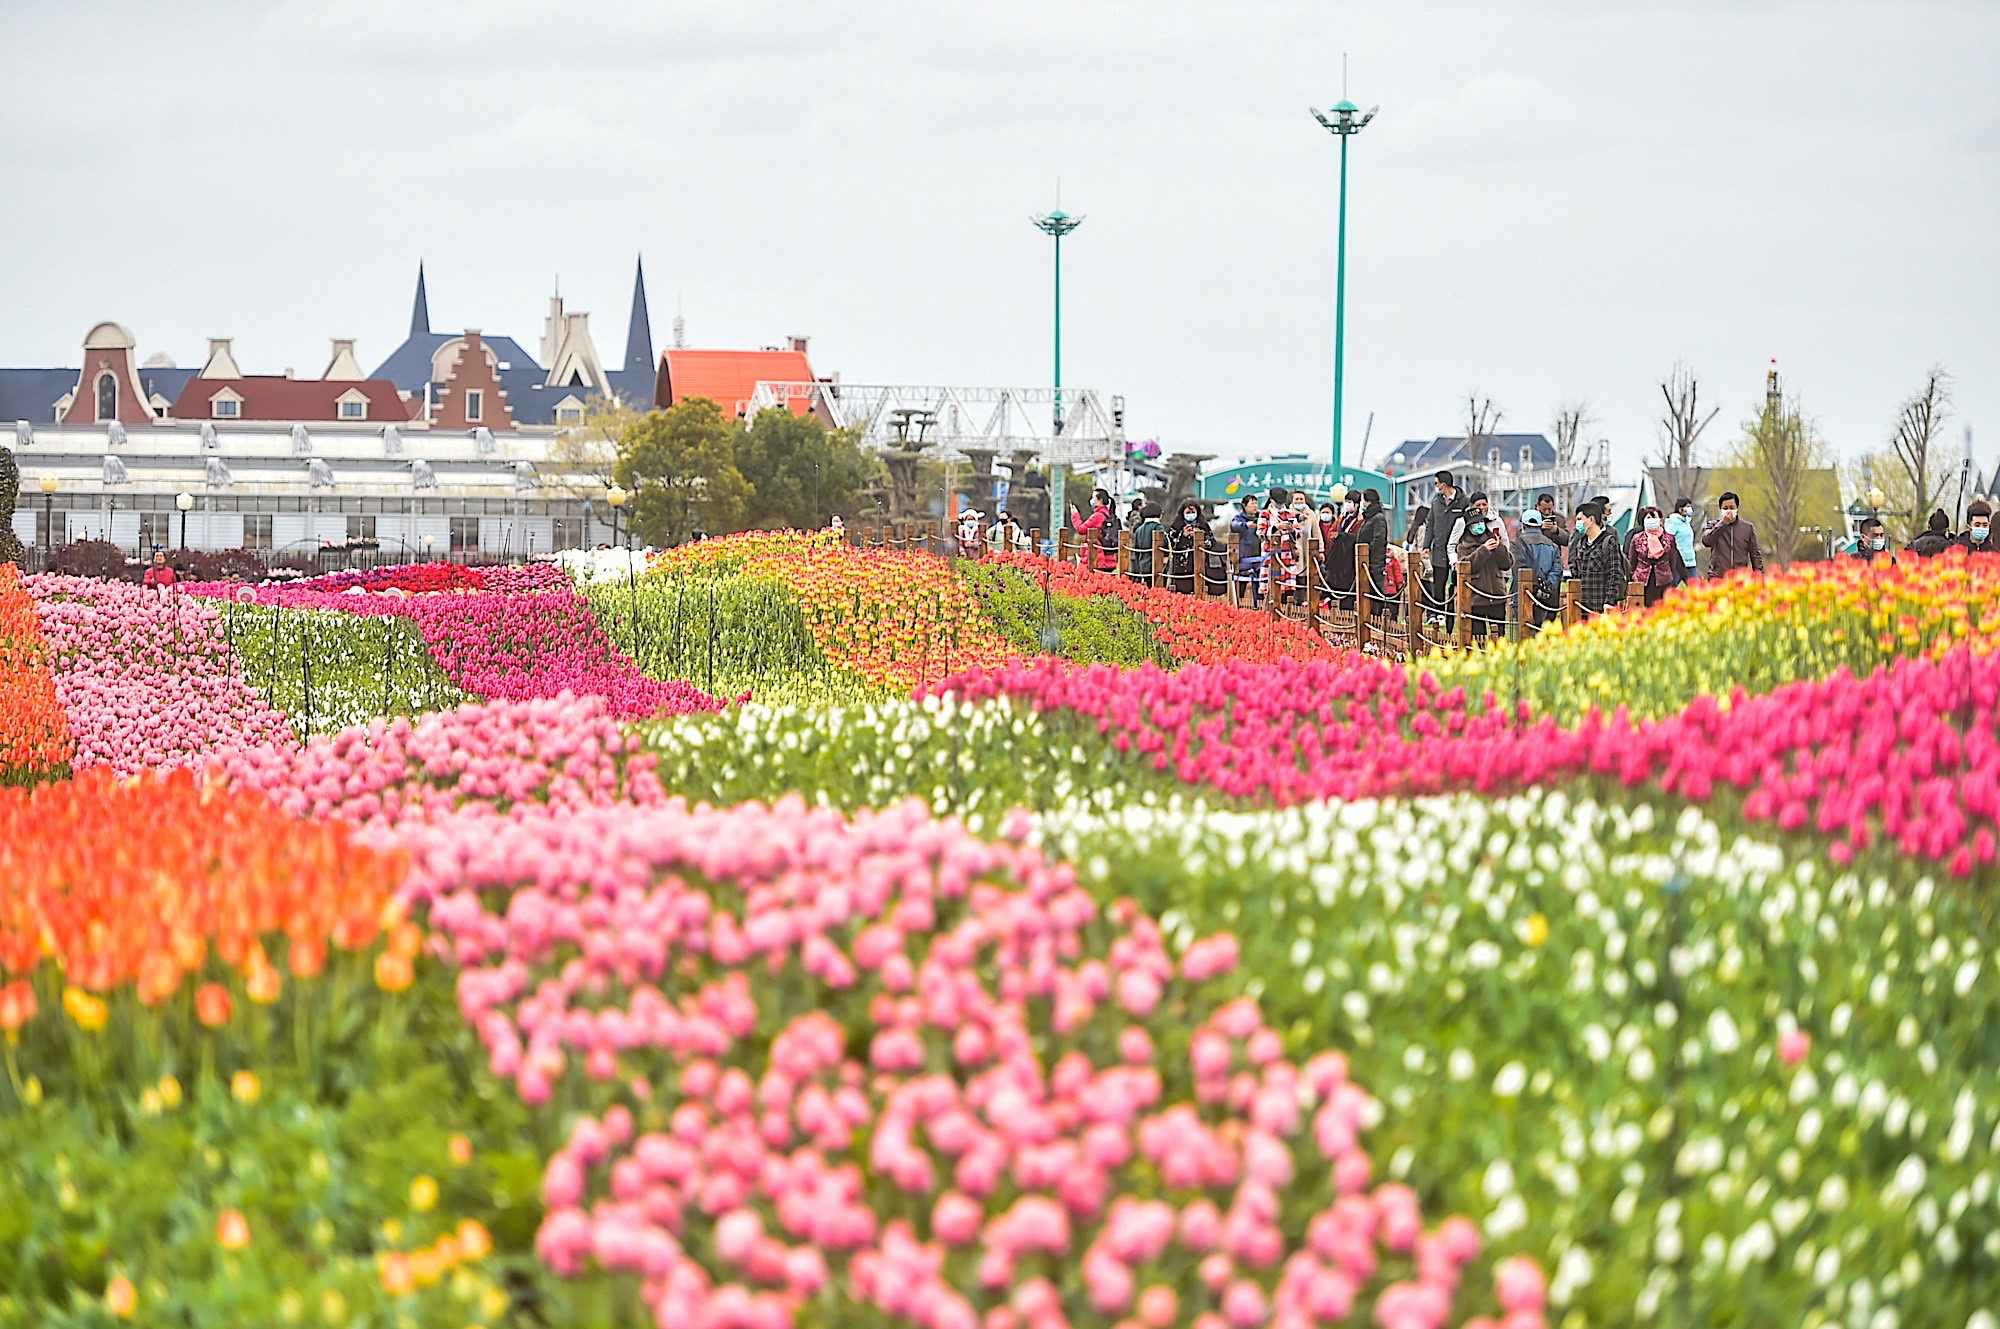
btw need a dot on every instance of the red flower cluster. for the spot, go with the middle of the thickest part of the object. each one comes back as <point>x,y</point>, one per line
<point>1195,631</point>
<point>120,882</point>
<point>1908,755</point>
<point>426,578</point>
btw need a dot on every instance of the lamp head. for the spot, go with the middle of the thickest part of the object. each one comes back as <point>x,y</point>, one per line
<point>616,496</point>
<point>49,483</point>
<point>184,500</point>
<point>1876,498</point>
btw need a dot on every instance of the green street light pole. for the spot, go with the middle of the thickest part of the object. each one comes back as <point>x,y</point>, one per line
<point>1346,120</point>
<point>1057,224</point>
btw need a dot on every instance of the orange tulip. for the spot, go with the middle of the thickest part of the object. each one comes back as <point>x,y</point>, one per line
<point>232,1230</point>
<point>120,1297</point>
<point>212,1005</point>
<point>398,1278</point>
<point>393,973</point>
<point>474,1241</point>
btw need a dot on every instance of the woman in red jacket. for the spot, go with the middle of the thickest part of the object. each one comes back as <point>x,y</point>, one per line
<point>1654,557</point>
<point>1091,528</point>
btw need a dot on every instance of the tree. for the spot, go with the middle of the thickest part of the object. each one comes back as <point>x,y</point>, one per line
<point>582,457</point>
<point>1912,449</point>
<point>681,468</point>
<point>1572,418</point>
<point>1781,455</point>
<point>1680,429</point>
<point>10,490</point>
<point>801,471</point>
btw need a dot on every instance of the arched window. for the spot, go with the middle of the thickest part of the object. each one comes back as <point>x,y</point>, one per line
<point>107,396</point>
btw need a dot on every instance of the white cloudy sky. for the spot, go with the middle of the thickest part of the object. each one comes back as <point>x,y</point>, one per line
<point>1558,200</point>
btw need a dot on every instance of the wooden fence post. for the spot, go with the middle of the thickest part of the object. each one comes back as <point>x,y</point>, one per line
<point>1229,567</point>
<point>1124,552</point>
<point>1635,596</point>
<point>1572,602</point>
<point>1062,545</point>
<point>1271,586</point>
<point>1465,608</point>
<point>1035,539</point>
<point>1364,588</point>
<point>1200,564</point>
<point>1524,597</point>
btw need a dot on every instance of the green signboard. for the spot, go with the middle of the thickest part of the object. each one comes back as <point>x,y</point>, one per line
<point>1299,472</point>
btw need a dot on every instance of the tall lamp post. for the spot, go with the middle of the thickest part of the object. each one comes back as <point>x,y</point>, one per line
<point>185,502</point>
<point>49,483</point>
<point>616,497</point>
<point>1057,224</point>
<point>1345,120</point>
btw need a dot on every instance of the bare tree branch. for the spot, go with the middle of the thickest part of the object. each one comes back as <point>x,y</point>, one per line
<point>1913,446</point>
<point>1681,429</point>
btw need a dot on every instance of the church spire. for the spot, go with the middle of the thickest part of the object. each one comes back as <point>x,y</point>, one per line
<point>639,336</point>
<point>420,312</point>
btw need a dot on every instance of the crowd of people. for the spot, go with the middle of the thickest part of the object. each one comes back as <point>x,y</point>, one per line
<point>1455,538</point>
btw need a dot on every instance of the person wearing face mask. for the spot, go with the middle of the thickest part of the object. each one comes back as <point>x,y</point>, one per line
<point>1536,554</point>
<point>1180,547</point>
<point>1553,526</point>
<point>1873,544</point>
<point>1337,533</point>
<point>1977,538</point>
<point>1248,527</point>
<point>1092,529</point>
<point>1654,557</point>
<point>1936,537</point>
<point>1484,562</point>
<point>1680,525</point>
<point>1444,527</point>
<point>1731,541</point>
<point>1596,561</point>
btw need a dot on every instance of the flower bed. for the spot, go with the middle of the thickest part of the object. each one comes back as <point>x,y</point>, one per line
<point>34,736</point>
<point>896,619</point>
<point>147,682</point>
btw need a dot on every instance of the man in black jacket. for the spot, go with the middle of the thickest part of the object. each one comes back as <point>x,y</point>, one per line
<point>1446,514</point>
<point>1936,537</point>
<point>1374,534</point>
<point>1596,560</point>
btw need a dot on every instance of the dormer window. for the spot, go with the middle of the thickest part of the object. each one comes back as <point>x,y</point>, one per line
<point>569,415</point>
<point>227,408</point>
<point>353,405</point>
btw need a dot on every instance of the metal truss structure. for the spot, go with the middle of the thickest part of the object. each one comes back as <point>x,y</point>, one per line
<point>949,424</point>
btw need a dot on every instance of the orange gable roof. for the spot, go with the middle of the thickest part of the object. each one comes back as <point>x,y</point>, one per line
<point>728,378</point>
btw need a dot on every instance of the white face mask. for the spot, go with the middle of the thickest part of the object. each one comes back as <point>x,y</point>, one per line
<point>1652,523</point>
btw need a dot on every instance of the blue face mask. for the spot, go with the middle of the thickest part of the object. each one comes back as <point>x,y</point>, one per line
<point>1477,528</point>
<point>1878,543</point>
<point>1979,533</point>
<point>1652,523</point>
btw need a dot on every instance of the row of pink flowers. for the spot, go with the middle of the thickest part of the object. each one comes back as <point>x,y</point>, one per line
<point>510,644</point>
<point>1007,1114</point>
<point>1907,756</point>
<point>148,682</point>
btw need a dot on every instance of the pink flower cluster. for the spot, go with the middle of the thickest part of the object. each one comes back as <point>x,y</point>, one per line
<point>1907,756</point>
<point>515,645</point>
<point>148,681</point>
<point>565,752</point>
<point>1003,1113</point>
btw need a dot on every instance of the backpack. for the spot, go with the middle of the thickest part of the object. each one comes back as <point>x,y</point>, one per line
<point>1546,565</point>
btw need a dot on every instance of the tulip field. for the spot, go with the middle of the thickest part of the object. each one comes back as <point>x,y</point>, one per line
<point>784,933</point>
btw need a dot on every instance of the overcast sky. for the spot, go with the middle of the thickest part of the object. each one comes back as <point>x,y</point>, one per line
<point>1558,200</point>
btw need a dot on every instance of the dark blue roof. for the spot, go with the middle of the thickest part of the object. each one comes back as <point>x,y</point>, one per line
<point>1430,454</point>
<point>30,394</point>
<point>634,386</point>
<point>165,382</point>
<point>409,365</point>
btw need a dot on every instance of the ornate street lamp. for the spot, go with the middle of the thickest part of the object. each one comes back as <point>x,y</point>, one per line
<point>1344,121</point>
<point>49,483</point>
<point>185,502</point>
<point>616,496</point>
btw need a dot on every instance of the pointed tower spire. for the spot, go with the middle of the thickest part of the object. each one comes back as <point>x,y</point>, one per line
<point>420,312</point>
<point>639,336</point>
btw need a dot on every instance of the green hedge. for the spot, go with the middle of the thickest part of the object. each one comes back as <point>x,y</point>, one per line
<point>361,667</point>
<point>1097,629</point>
